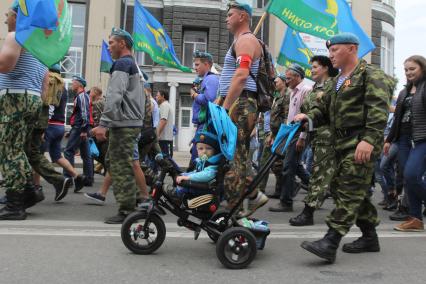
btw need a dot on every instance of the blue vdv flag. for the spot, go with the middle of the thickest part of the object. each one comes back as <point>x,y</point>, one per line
<point>106,60</point>
<point>37,14</point>
<point>294,50</point>
<point>344,21</point>
<point>150,37</point>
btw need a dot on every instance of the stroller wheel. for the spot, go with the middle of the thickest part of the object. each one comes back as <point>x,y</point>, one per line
<point>140,240</point>
<point>219,219</point>
<point>236,248</point>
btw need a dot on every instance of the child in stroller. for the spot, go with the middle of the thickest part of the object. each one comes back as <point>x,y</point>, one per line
<point>206,169</point>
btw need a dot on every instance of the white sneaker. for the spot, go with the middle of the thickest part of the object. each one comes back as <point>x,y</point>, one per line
<point>254,204</point>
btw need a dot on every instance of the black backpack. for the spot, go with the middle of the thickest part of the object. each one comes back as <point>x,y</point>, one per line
<point>265,78</point>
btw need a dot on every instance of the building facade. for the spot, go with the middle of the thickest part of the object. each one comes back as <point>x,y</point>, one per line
<point>192,25</point>
<point>383,34</point>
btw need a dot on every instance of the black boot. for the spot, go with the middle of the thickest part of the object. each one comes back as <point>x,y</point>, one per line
<point>306,218</point>
<point>325,248</point>
<point>368,242</point>
<point>32,195</point>
<point>13,210</point>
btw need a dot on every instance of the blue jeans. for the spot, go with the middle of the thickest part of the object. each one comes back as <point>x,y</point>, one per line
<point>291,168</point>
<point>413,164</point>
<point>74,142</point>
<point>53,137</point>
<point>385,170</point>
<point>308,158</point>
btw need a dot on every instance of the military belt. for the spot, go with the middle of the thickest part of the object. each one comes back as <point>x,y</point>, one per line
<point>19,91</point>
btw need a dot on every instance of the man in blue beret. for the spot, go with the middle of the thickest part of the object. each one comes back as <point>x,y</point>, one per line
<point>238,90</point>
<point>202,93</point>
<point>81,121</point>
<point>299,89</point>
<point>123,118</point>
<point>355,105</point>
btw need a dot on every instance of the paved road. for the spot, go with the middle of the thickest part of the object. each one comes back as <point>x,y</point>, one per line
<point>67,242</point>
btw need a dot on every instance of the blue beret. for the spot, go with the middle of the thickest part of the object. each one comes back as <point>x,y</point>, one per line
<point>81,80</point>
<point>124,34</point>
<point>241,5</point>
<point>147,85</point>
<point>55,68</point>
<point>207,138</point>
<point>343,38</point>
<point>298,69</point>
<point>202,54</point>
<point>15,6</point>
<point>282,77</point>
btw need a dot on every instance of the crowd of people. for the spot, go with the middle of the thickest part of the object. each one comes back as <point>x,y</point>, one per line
<point>360,138</point>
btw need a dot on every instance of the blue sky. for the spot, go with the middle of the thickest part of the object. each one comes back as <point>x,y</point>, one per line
<point>410,34</point>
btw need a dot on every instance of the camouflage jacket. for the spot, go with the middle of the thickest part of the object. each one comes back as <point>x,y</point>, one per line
<point>98,108</point>
<point>322,134</point>
<point>279,112</point>
<point>358,110</point>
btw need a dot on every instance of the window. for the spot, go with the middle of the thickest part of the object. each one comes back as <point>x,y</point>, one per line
<point>387,54</point>
<point>72,64</point>
<point>143,58</point>
<point>192,41</point>
<point>185,110</point>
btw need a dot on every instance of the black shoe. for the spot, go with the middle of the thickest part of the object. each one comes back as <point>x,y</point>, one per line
<point>62,188</point>
<point>400,215</point>
<point>325,248</point>
<point>368,242</point>
<point>306,218</point>
<point>280,207</point>
<point>117,219</point>
<point>79,183</point>
<point>88,182</point>
<point>14,209</point>
<point>392,205</point>
<point>32,195</point>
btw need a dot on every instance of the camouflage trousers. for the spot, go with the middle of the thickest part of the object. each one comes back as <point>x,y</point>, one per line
<point>324,166</point>
<point>38,161</point>
<point>349,189</point>
<point>119,159</point>
<point>243,113</point>
<point>17,115</point>
<point>276,168</point>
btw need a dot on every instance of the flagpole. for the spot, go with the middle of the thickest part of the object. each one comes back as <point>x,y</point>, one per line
<point>125,15</point>
<point>259,25</point>
<point>263,18</point>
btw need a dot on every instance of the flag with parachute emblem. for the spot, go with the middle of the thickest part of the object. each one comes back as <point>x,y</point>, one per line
<point>150,37</point>
<point>294,50</point>
<point>49,45</point>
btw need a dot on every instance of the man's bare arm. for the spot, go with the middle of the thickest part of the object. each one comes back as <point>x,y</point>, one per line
<point>9,53</point>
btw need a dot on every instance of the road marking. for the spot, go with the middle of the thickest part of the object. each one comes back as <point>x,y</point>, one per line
<point>98,229</point>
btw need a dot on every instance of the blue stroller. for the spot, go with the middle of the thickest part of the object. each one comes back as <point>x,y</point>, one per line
<point>144,231</point>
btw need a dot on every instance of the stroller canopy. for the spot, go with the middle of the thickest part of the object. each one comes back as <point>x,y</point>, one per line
<point>221,124</point>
